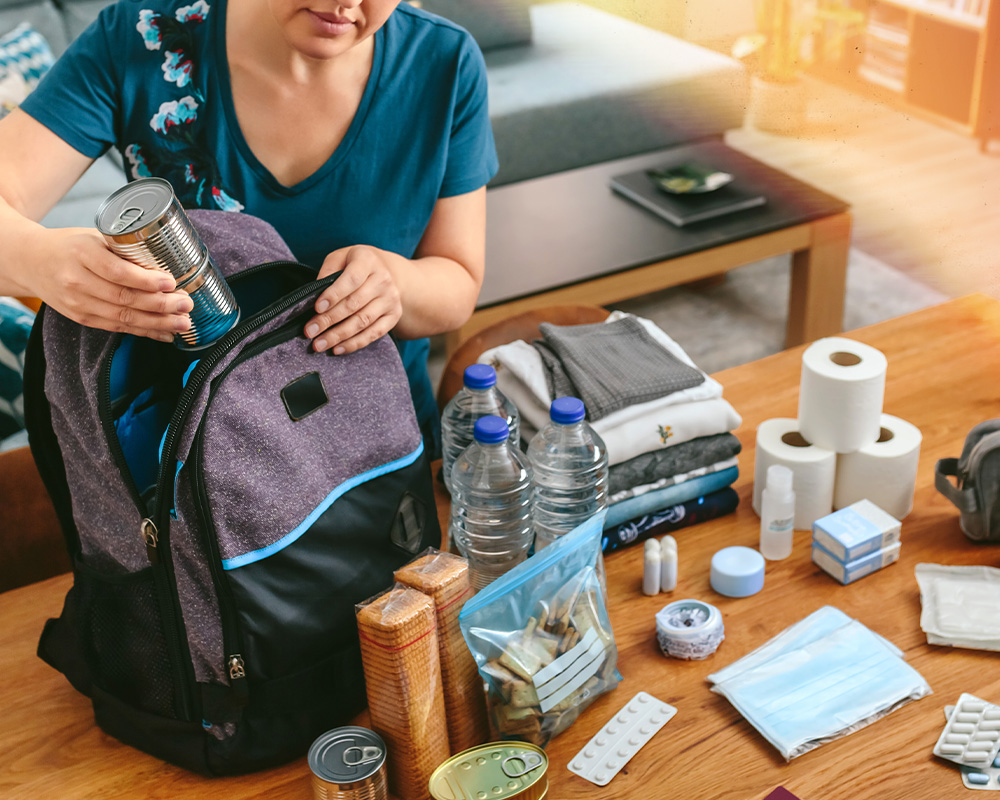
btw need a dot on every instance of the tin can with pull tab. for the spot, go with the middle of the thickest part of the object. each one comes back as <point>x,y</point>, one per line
<point>348,763</point>
<point>497,770</point>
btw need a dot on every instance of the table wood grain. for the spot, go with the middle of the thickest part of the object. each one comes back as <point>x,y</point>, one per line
<point>944,364</point>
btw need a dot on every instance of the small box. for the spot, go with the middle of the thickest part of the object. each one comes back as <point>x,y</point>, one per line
<point>860,528</point>
<point>859,567</point>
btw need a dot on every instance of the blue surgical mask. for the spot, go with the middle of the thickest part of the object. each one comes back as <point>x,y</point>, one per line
<point>822,678</point>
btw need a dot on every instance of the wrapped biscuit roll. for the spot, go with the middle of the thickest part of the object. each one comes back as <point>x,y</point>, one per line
<point>444,577</point>
<point>399,651</point>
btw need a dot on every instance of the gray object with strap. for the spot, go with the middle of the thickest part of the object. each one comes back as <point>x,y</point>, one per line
<point>975,491</point>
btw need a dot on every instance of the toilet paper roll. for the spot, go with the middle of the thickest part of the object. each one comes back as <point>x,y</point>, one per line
<point>884,471</point>
<point>780,441</point>
<point>840,394</point>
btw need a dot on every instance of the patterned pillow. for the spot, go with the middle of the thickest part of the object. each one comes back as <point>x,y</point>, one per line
<point>25,51</point>
<point>15,325</point>
<point>13,90</point>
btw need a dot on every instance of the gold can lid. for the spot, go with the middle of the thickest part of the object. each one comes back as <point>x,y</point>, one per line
<point>495,770</point>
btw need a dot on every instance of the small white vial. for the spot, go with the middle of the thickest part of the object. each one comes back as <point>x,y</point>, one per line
<point>777,514</point>
<point>651,567</point>
<point>668,563</point>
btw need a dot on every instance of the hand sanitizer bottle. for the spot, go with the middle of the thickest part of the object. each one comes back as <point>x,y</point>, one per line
<point>777,513</point>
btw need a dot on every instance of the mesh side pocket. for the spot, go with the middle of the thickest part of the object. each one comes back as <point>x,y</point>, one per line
<point>123,637</point>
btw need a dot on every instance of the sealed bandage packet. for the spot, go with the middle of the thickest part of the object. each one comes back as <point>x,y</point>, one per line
<point>399,651</point>
<point>444,577</point>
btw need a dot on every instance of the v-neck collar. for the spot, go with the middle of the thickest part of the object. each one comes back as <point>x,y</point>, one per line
<point>225,91</point>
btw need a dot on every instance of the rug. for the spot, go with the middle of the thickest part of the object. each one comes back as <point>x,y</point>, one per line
<point>743,318</point>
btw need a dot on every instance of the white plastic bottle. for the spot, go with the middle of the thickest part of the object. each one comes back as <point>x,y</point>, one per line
<point>570,463</point>
<point>478,397</point>
<point>777,514</point>
<point>491,503</point>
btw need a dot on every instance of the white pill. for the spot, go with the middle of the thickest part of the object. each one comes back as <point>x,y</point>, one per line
<point>963,727</point>
<point>611,729</point>
<point>578,766</point>
<point>633,740</point>
<point>951,749</point>
<point>643,698</point>
<point>623,752</point>
<point>992,713</point>
<point>623,717</point>
<point>643,729</point>
<point>600,777</point>
<point>966,718</point>
<point>988,734</point>
<point>990,725</point>
<point>600,741</point>
<point>960,738</point>
<point>589,752</point>
<point>979,746</point>
<point>973,705</point>
<point>611,764</point>
<point>972,756</point>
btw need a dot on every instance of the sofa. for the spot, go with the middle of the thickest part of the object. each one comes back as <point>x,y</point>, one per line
<point>569,86</point>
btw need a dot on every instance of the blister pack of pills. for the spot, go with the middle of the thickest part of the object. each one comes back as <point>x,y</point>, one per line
<point>972,735</point>
<point>621,738</point>
<point>985,777</point>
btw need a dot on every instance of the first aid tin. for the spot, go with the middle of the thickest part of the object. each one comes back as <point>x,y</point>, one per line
<point>497,770</point>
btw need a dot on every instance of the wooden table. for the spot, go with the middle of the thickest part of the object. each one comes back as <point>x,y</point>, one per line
<point>943,367</point>
<point>568,239</point>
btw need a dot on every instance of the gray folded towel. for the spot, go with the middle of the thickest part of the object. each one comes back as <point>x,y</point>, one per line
<point>650,467</point>
<point>612,365</point>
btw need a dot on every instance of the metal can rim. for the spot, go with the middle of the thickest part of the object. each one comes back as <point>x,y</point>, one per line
<point>542,769</point>
<point>131,187</point>
<point>317,767</point>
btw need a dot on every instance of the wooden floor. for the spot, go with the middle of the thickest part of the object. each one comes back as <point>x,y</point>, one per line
<point>925,199</point>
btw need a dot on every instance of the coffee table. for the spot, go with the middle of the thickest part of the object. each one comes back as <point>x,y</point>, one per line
<point>567,238</point>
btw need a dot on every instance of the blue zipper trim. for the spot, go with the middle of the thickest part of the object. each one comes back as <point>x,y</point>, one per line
<point>302,527</point>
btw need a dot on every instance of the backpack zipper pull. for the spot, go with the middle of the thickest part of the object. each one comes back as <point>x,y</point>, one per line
<point>150,535</point>
<point>237,676</point>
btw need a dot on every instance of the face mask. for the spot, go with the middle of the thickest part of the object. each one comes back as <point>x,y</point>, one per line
<point>820,679</point>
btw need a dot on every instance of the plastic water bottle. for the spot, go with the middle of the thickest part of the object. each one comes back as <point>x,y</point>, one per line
<point>570,462</point>
<point>478,397</point>
<point>491,503</point>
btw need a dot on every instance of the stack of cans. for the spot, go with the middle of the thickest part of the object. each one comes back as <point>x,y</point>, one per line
<point>348,763</point>
<point>144,223</point>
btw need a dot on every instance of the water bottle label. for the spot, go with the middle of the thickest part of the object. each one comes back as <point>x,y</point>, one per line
<point>781,524</point>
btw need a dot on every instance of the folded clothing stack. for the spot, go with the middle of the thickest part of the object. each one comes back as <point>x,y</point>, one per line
<point>855,541</point>
<point>666,426</point>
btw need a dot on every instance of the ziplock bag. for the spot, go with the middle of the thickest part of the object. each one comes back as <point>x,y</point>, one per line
<point>542,638</point>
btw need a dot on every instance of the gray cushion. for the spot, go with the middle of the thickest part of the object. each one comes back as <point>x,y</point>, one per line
<point>594,87</point>
<point>80,13</point>
<point>492,23</point>
<point>42,15</point>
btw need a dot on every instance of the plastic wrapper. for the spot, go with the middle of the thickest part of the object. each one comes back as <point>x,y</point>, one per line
<point>444,577</point>
<point>399,651</point>
<point>542,638</point>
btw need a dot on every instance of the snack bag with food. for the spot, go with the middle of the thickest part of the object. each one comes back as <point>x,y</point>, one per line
<point>542,638</point>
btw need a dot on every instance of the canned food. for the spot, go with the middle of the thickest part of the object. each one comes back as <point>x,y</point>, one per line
<point>497,770</point>
<point>348,763</point>
<point>144,223</point>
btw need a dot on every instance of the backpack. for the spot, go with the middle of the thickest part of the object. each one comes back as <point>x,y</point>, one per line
<point>224,510</point>
<point>976,491</point>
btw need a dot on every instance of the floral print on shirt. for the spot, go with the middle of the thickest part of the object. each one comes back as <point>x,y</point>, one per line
<point>181,155</point>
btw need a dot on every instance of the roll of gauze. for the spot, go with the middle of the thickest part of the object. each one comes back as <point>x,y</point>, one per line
<point>779,441</point>
<point>884,471</point>
<point>840,394</point>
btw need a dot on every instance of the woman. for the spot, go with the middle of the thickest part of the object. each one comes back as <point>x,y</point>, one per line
<point>357,128</point>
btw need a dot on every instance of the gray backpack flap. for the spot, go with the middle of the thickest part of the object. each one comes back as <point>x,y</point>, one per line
<point>225,509</point>
<point>975,491</point>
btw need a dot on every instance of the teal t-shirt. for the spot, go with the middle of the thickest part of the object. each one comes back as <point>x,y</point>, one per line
<point>150,78</point>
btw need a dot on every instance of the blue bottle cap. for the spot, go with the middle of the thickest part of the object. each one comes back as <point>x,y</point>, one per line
<point>491,430</point>
<point>480,376</point>
<point>737,571</point>
<point>566,410</point>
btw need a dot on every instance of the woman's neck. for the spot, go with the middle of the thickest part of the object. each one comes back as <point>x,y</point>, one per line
<point>256,42</point>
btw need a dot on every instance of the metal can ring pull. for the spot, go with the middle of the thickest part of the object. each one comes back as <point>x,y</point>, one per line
<point>367,754</point>
<point>531,761</point>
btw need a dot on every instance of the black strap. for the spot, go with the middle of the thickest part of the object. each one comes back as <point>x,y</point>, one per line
<point>963,499</point>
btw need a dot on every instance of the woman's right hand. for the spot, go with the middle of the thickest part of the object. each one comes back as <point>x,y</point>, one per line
<point>76,274</point>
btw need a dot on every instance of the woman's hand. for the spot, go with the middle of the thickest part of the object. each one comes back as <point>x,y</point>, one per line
<point>362,305</point>
<point>82,279</point>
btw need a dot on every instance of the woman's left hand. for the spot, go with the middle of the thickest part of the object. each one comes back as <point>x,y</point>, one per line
<point>362,305</point>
